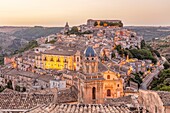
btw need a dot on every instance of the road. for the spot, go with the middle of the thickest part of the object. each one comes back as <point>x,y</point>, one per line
<point>148,79</point>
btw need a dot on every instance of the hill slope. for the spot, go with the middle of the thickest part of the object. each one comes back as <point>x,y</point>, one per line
<point>13,38</point>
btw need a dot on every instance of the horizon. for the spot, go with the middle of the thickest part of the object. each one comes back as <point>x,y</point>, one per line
<point>81,24</point>
<point>57,13</point>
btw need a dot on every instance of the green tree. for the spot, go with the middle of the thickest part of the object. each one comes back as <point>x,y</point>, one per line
<point>87,32</point>
<point>113,55</point>
<point>95,23</point>
<point>1,60</point>
<point>137,79</point>
<point>162,82</point>
<point>17,88</point>
<point>127,53</point>
<point>52,41</point>
<point>1,88</point>
<point>142,54</point>
<point>120,24</point>
<point>111,24</point>
<point>157,53</point>
<point>102,23</point>
<point>74,30</point>
<point>119,48</point>
<point>143,44</point>
<point>166,65</point>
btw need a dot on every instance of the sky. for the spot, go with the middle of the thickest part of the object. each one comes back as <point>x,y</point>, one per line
<point>58,12</point>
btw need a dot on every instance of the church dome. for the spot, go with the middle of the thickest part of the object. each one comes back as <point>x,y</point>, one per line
<point>89,52</point>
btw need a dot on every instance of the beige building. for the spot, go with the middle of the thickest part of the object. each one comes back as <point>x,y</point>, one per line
<point>96,82</point>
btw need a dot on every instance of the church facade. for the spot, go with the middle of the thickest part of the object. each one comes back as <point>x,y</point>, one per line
<point>97,82</point>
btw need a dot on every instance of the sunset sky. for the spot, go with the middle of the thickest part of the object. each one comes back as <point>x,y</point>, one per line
<point>57,12</point>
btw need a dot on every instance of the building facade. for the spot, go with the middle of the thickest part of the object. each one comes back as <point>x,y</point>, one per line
<point>60,59</point>
<point>95,84</point>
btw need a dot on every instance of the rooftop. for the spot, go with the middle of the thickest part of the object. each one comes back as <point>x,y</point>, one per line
<point>90,52</point>
<point>83,108</point>
<point>66,51</point>
<point>23,101</point>
<point>28,74</point>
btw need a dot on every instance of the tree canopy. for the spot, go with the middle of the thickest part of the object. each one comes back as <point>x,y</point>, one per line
<point>74,30</point>
<point>162,82</point>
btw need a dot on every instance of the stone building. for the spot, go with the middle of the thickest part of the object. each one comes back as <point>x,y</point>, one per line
<point>90,22</point>
<point>61,58</point>
<point>66,28</point>
<point>96,82</point>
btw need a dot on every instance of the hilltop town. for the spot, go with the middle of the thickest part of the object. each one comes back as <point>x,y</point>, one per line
<point>95,67</point>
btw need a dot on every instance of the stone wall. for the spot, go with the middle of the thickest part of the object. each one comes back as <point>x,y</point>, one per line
<point>151,101</point>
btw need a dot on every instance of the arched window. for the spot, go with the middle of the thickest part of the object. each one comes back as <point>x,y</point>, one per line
<point>93,93</point>
<point>45,59</point>
<point>117,85</point>
<point>108,92</point>
<point>77,59</point>
<point>58,60</point>
<point>108,76</point>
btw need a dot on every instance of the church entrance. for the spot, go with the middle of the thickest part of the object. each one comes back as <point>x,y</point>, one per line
<point>108,92</point>
<point>93,93</point>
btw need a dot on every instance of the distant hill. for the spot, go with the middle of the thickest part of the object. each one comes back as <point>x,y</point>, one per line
<point>36,32</point>
<point>13,38</point>
<point>149,32</point>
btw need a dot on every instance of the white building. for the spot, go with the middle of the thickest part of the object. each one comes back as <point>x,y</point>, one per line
<point>60,84</point>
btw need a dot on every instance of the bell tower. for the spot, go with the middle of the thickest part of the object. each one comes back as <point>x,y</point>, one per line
<point>90,61</point>
<point>90,83</point>
<point>66,28</point>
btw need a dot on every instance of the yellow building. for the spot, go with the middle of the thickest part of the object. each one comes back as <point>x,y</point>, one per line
<point>113,85</point>
<point>59,59</point>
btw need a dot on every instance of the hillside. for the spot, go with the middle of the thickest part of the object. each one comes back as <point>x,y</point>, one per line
<point>149,32</point>
<point>162,45</point>
<point>13,38</point>
<point>162,83</point>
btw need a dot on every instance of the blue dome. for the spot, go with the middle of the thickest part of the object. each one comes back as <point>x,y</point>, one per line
<point>90,52</point>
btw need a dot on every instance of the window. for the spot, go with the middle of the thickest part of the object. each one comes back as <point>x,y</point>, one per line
<point>45,59</point>
<point>108,76</point>
<point>77,59</point>
<point>108,92</point>
<point>118,85</point>
<point>92,58</point>
<point>65,60</point>
<point>58,60</point>
<point>93,93</point>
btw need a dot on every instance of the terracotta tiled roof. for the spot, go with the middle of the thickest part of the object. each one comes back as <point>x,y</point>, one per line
<point>23,100</point>
<point>127,100</point>
<point>83,108</point>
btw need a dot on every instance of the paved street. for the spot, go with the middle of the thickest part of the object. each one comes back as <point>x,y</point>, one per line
<point>148,79</point>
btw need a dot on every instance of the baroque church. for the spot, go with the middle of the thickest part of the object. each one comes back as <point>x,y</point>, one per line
<point>96,81</point>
